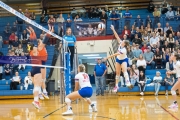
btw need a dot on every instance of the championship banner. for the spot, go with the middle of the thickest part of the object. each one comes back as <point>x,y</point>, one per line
<point>11,10</point>
<point>88,29</point>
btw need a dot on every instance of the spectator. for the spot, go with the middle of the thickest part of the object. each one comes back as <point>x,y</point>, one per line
<point>133,31</point>
<point>138,32</point>
<point>170,66</point>
<point>134,75</point>
<point>68,21</point>
<point>7,71</point>
<point>162,39</point>
<point>159,28</point>
<point>137,52</point>
<point>142,29</point>
<point>43,19</point>
<point>157,16</point>
<point>170,14</point>
<point>24,38</point>
<point>145,38</point>
<point>19,50</point>
<point>169,81</point>
<point>149,56</point>
<point>60,20</point>
<point>115,20</point>
<point>170,31</point>
<point>14,28</point>
<point>7,30</point>
<point>166,56</point>
<point>27,81</point>
<point>171,42</point>
<point>27,13</point>
<point>141,63</point>
<point>130,55</point>
<point>44,5</point>
<point>176,46</point>
<point>90,13</point>
<point>142,82</point>
<point>148,21</point>
<point>126,32</point>
<point>16,43</point>
<point>12,38</point>
<point>165,46</point>
<point>33,16</point>
<point>149,29</point>
<point>77,19</point>
<point>177,37</point>
<point>99,73</point>
<point>51,22</point>
<point>20,21</point>
<point>157,82</point>
<point>144,47</point>
<point>154,40</point>
<point>103,17</point>
<point>166,28</point>
<point>177,13</point>
<point>137,40</point>
<point>158,58</point>
<point>15,81</point>
<point>138,22</point>
<point>127,16</point>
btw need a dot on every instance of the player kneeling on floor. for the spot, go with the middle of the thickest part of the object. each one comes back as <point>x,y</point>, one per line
<point>86,91</point>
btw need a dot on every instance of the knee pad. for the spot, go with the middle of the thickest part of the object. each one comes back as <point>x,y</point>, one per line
<point>67,100</point>
<point>117,77</point>
<point>44,80</point>
<point>173,92</point>
<point>36,89</point>
<point>125,74</point>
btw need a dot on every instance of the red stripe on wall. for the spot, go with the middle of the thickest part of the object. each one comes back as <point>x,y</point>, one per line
<point>109,37</point>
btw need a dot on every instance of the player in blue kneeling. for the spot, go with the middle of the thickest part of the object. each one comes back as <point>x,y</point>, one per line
<point>81,80</point>
<point>121,60</point>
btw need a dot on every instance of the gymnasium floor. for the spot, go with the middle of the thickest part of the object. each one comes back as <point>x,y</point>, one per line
<point>110,107</point>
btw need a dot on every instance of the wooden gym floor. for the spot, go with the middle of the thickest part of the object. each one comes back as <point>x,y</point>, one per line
<point>110,107</point>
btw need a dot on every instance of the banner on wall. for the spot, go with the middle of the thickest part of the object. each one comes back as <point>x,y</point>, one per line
<point>88,29</point>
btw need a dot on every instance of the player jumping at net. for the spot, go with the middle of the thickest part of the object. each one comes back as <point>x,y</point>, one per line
<point>43,56</point>
<point>176,60</point>
<point>36,75</point>
<point>81,80</point>
<point>121,60</point>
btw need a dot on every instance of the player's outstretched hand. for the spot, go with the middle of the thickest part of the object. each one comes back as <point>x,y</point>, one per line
<point>112,27</point>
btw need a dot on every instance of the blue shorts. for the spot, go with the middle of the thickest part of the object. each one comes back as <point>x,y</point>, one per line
<point>86,92</point>
<point>35,70</point>
<point>121,61</point>
<point>43,63</point>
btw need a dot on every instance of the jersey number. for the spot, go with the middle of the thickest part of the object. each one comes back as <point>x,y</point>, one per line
<point>86,78</point>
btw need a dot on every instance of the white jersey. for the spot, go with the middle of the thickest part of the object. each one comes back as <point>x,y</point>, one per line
<point>122,53</point>
<point>177,68</point>
<point>83,79</point>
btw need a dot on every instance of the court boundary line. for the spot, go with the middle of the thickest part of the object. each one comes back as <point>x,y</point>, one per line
<point>79,115</point>
<point>168,112</point>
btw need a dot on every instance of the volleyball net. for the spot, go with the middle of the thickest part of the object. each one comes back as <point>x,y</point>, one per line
<point>65,56</point>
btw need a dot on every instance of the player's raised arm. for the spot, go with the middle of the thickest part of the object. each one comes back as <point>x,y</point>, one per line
<point>115,34</point>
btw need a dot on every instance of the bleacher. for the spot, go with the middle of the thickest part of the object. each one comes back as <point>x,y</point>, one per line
<point>5,91</point>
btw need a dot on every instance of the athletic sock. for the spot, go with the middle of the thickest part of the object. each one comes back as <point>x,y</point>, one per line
<point>175,102</point>
<point>40,91</point>
<point>44,91</point>
<point>36,98</point>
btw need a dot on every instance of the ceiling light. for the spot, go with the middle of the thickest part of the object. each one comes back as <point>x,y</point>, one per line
<point>91,55</point>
